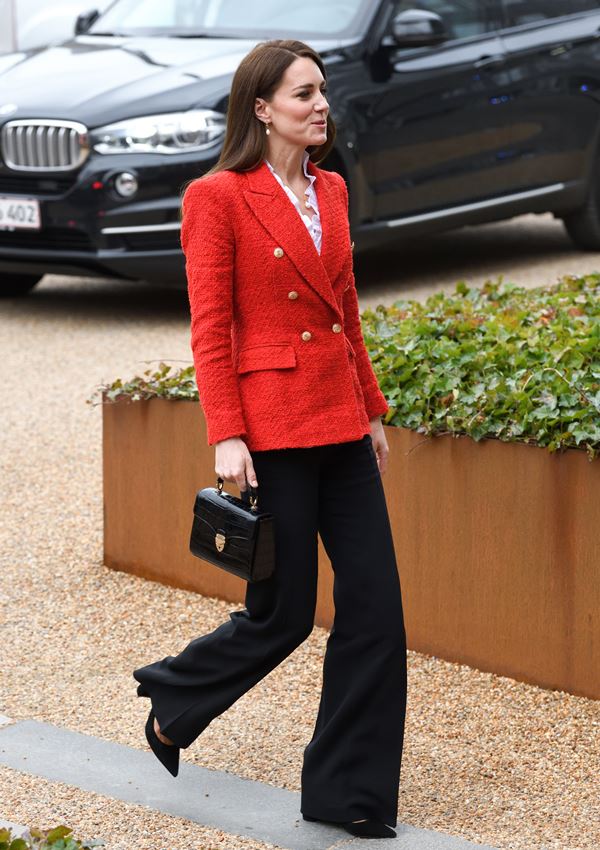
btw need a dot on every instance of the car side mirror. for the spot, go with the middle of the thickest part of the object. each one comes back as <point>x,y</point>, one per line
<point>418,28</point>
<point>85,20</point>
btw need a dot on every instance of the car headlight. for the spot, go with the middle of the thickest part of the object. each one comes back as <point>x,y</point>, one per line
<point>173,132</point>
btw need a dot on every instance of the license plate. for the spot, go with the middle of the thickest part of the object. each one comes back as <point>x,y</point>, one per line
<point>20,214</point>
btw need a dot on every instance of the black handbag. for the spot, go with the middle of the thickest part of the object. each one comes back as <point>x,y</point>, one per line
<point>232,533</point>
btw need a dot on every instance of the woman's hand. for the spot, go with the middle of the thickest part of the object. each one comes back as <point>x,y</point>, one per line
<point>379,443</point>
<point>233,462</point>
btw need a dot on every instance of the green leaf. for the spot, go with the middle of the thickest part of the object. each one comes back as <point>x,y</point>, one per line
<point>58,832</point>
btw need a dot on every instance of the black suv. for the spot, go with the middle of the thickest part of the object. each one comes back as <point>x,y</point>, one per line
<point>449,112</point>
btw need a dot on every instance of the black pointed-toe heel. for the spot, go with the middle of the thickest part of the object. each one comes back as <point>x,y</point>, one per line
<point>369,829</point>
<point>141,692</point>
<point>365,829</point>
<point>167,754</point>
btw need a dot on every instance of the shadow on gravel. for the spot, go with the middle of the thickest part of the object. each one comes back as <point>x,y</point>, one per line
<point>102,298</point>
<point>460,253</point>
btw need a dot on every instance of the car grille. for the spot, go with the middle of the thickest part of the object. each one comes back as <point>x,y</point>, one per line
<point>49,239</point>
<point>44,145</point>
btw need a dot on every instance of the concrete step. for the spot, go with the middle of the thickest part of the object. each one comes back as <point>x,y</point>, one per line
<point>209,797</point>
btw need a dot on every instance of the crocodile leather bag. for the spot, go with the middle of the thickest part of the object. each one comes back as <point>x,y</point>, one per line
<point>231,533</point>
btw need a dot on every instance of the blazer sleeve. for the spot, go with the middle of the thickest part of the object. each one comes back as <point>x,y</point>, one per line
<point>375,401</point>
<point>208,242</point>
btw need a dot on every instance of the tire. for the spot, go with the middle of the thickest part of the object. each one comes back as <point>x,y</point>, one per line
<point>583,225</point>
<point>12,285</point>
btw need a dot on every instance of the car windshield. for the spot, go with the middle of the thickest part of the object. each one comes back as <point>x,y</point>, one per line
<point>301,19</point>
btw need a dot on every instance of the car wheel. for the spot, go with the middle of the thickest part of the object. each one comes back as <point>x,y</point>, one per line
<point>18,284</point>
<point>583,225</point>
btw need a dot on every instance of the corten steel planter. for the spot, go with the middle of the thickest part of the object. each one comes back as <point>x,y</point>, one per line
<point>497,544</point>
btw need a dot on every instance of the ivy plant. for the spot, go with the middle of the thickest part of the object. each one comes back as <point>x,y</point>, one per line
<point>496,361</point>
<point>58,838</point>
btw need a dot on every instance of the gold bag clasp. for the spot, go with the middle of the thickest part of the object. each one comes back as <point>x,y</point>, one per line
<point>220,541</point>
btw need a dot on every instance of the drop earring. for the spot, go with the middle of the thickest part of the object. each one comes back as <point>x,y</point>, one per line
<point>267,131</point>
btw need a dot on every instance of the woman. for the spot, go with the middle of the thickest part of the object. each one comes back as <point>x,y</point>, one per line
<point>293,407</point>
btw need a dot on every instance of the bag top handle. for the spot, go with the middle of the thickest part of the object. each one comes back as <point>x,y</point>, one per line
<point>253,497</point>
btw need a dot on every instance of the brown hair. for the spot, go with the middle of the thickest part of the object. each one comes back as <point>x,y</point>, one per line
<point>259,75</point>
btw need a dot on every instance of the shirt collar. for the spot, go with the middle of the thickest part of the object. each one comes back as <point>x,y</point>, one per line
<point>311,177</point>
<point>305,158</point>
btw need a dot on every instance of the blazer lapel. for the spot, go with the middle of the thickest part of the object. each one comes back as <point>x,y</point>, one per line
<point>270,204</point>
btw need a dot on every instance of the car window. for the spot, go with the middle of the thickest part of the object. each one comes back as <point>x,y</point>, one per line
<point>462,18</point>
<point>518,12</point>
<point>236,17</point>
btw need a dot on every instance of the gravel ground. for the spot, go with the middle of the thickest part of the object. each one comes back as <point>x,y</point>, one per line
<point>123,826</point>
<point>485,758</point>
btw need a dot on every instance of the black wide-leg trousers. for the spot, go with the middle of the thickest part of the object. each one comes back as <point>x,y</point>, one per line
<point>351,766</point>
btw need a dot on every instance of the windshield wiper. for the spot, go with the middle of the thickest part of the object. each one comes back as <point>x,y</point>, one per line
<point>116,34</point>
<point>200,35</point>
<point>163,34</point>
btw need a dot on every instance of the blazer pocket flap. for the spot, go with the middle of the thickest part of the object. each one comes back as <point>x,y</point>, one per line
<point>267,356</point>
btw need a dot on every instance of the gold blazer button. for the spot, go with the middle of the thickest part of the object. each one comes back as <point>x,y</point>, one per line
<point>336,328</point>
<point>306,335</point>
<point>278,252</point>
<point>293,294</point>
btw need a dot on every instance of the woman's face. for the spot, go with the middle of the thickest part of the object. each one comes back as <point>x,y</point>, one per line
<point>298,111</point>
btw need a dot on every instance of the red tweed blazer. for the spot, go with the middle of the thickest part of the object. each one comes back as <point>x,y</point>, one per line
<point>277,344</point>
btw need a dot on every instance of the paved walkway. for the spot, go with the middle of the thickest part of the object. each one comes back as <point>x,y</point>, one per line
<point>209,797</point>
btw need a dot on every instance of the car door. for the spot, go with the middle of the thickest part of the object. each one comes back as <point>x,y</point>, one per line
<point>432,139</point>
<point>550,90</point>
